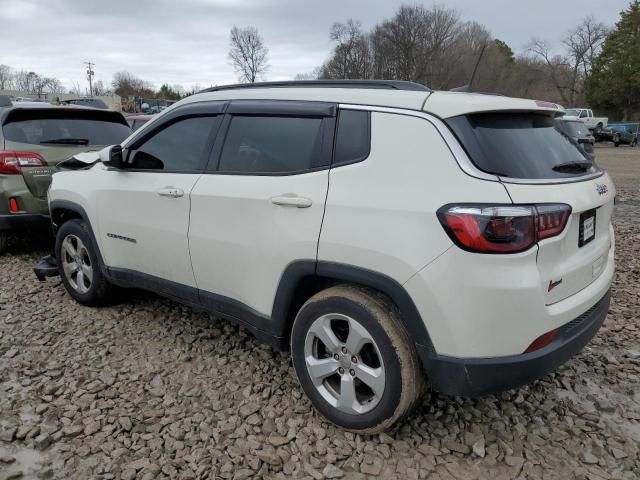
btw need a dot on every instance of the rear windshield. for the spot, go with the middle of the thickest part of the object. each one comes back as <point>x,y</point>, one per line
<point>65,127</point>
<point>520,145</point>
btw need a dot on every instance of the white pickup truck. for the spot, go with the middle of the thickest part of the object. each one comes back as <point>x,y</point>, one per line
<point>586,115</point>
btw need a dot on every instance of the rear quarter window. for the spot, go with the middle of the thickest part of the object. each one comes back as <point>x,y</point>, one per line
<point>518,145</point>
<point>353,137</point>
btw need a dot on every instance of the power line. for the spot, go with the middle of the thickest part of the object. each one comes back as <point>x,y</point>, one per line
<point>90,74</point>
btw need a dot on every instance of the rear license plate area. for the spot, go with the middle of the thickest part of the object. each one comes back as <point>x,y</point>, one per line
<point>587,231</point>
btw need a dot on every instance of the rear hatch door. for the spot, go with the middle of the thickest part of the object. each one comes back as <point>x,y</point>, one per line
<point>539,163</point>
<point>573,260</point>
<point>57,134</point>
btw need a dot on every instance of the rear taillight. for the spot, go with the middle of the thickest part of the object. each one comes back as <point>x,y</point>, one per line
<point>11,163</point>
<point>502,228</point>
<point>13,205</point>
<point>551,220</point>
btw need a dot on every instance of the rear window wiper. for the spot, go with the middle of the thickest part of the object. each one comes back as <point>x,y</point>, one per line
<point>67,141</point>
<point>582,166</point>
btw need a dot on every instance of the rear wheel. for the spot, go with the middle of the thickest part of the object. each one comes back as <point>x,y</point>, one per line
<point>79,265</point>
<point>616,140</point>
<point>355,360</point>
<point>598,130</point>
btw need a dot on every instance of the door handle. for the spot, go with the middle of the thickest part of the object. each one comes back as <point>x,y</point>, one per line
<point>289,200</point>
<point>172,192</point>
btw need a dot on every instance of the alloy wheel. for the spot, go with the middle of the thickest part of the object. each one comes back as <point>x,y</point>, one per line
<point>344,363</point>
<point>76,264</point>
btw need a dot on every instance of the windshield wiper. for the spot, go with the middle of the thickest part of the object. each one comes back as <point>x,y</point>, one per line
<point>67,141</point>
<point>579,165</point>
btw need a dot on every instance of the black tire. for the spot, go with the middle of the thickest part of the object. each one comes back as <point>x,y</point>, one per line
<point>403,377</point>
<point>598,130</point>
<point>616,140</point>
<point>4,240</point>
<point>98,291</point>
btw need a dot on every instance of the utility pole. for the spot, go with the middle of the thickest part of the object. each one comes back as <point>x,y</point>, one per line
<point>90,74</point>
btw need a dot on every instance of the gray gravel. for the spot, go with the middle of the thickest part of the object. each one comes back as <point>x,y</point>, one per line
<point>151,389</point>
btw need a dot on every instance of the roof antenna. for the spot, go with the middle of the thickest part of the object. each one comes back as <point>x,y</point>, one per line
<point>467,88</point>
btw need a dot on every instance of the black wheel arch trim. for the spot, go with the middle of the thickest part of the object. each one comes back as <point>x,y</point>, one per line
<point>297,271</point>
<point>78,209</point>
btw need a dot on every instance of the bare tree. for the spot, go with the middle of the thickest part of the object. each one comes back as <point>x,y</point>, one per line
<point>195,88</point>
<point>557,68</point>
<point>125,83</point>
<point>351,57</point>
<point>248,54</point>
<point>312,75</point>
<point>76,90</point>
<point>53,85</point>
<point>430,45</point>
<point>179,89</point>
<point>100,88</point>
<point>24,81</point>
<point>5,77</point>
<point>569,70</point>
<point>584,42</point>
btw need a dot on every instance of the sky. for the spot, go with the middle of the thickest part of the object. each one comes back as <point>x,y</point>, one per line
<point>187,41</point>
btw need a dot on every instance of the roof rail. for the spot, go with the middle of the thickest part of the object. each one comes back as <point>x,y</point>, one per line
<point>373,84</point>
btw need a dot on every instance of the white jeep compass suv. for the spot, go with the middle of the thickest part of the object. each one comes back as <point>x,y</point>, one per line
<point>388,234</point>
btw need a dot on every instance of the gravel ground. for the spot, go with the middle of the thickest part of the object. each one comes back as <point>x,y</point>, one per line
<point>150,389</point>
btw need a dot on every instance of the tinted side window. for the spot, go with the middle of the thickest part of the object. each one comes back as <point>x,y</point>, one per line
<point>353,136</point>
<point>269,144</point>
<point>179,147</point>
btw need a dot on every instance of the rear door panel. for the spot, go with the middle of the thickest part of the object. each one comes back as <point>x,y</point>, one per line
<point>245,227</point>
<point>565,267</point>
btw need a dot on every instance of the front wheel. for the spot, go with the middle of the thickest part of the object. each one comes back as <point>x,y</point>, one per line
<point>79,265</point>
<point>355,360</point>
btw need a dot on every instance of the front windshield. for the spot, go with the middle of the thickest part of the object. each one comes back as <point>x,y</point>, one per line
<point>572,112</point>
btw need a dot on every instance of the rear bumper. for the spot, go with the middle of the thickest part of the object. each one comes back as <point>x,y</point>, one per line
<point>478,376</point>
<point>20,221</point>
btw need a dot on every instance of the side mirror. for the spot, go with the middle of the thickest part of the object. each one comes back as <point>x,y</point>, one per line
<point>113,157</point>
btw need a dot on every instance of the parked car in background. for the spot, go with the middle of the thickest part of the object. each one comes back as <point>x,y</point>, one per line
<point>622,135</point>
<point>34,138</point>
<point>29,99</point>
<point>136,121</point>
<point>579,132</point>
<point>387,234</point>
<point>86,102</point>
<point>596,124</point>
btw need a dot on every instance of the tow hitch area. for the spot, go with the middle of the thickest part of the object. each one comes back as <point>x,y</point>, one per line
<point>47,267</point>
